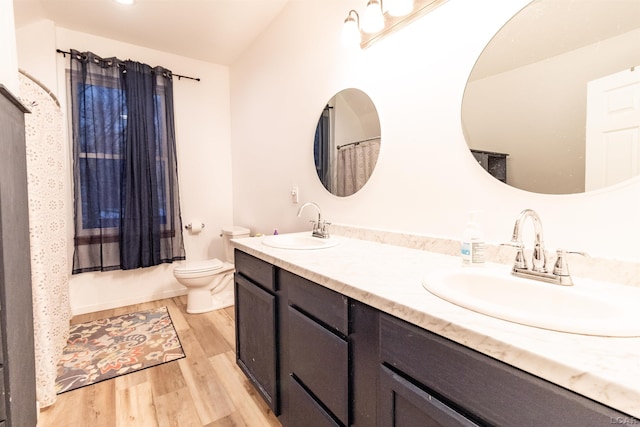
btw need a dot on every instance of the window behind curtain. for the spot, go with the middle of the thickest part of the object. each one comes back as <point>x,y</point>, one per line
<point>127,204</point>
<point>100,160</point>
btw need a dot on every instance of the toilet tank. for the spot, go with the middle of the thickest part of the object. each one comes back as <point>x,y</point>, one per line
<point>232,232</point>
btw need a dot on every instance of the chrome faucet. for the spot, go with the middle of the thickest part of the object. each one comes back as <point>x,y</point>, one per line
<point>320,227</point>
<point>538,270</point>
<point>538,260</point>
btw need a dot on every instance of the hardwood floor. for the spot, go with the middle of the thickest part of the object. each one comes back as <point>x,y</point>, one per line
<point>204,389</point>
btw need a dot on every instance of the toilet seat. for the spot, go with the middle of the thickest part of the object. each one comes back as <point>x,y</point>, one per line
<point>199,267</point>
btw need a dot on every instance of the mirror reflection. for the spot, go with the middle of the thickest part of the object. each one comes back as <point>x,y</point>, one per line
<point>556,93</point>
<point>347,142</point>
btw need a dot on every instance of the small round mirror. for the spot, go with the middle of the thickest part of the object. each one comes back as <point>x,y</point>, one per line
<point>347,142</point>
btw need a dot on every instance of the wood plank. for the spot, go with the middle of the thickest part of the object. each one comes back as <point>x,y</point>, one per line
<point>205,332</point>
<point>134,401</point>
<point>211,400</point>
<point>176,409</point>
<point>176,310</point>
<point>166,378</point>
<point>224,326</point>
<point>93,405</point>
<point>254,411</point>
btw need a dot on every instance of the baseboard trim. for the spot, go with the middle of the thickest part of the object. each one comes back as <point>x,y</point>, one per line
<point>139,299</point>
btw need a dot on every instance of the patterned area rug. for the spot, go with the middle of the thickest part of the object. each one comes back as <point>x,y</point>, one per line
<point>104,349</point>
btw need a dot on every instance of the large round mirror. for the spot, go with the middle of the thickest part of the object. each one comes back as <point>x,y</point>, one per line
<point>347,142</point>
<point>552,104</point>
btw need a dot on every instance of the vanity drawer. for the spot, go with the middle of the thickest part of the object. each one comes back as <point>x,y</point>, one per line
<point>322,304</point>
<point>255,269</point>
<point>305,410</point>
<point>473,383</point>
<point>403,404</point>
<point>319,359</point>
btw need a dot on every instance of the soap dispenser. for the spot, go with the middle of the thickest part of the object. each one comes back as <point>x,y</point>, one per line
<point>472,247</point>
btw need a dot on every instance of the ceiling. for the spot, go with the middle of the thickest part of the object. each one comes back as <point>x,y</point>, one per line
<point>215,31</point>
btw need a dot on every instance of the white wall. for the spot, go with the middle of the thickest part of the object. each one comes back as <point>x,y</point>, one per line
<point>204,156</point>
<point>9,63</point>
<point>426,180</point>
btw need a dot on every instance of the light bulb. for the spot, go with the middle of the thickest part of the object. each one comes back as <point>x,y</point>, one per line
<point>399,7</point>
<point>350,32</point>
<point>373,20</point>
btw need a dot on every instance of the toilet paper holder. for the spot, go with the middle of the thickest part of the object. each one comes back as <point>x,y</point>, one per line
<point>190,226</point>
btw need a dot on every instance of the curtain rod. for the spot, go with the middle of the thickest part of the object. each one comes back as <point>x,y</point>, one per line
<point>64,53</point>
<point>357,142</point>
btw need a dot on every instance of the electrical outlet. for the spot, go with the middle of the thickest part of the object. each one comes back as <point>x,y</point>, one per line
<point>295,199</point>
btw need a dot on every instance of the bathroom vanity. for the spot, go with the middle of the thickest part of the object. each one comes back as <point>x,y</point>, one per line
<point>348,336</point>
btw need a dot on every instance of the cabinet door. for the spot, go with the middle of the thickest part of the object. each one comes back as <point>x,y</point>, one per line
<point>256,338</point>
<point>305,410</point>
<point>319,360</point>
<point>402,404</point>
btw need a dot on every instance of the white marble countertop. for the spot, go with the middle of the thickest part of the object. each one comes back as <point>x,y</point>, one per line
<point>389,278</point>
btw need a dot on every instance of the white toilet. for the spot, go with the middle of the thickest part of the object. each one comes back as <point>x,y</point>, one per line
<point>208,282</point>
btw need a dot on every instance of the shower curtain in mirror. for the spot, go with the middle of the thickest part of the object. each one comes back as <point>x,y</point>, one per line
<point>355,165</point>
<point>322,148</point>
<point>47,187</point>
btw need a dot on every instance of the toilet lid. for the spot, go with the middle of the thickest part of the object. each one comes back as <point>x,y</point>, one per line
<point>200,266</point>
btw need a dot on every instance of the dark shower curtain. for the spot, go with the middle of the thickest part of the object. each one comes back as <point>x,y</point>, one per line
<point>321,148</point>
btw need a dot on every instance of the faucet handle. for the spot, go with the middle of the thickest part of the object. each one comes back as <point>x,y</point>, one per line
<point>561,268</point>
<point>324,228</point>
<point>521,261</point>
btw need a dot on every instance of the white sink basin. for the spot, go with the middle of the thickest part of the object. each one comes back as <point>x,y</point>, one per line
<point>588,307</point>
<point>299,241</point>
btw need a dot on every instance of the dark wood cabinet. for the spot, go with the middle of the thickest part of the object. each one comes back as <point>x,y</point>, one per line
<point>257,330</point>
<point>17,357</point>
<point>485,390</point>
<point>339,362</point>
<point>364,340</point>
<point>318,348</point>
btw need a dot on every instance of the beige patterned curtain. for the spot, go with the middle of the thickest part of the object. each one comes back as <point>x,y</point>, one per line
<point>47,186</point>
<point>355,165</point>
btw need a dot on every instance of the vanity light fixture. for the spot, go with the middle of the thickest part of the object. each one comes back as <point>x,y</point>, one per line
<point>351,30</point>
<point>373,20</point>
<point>399,7</point>
<point>381,18</point>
